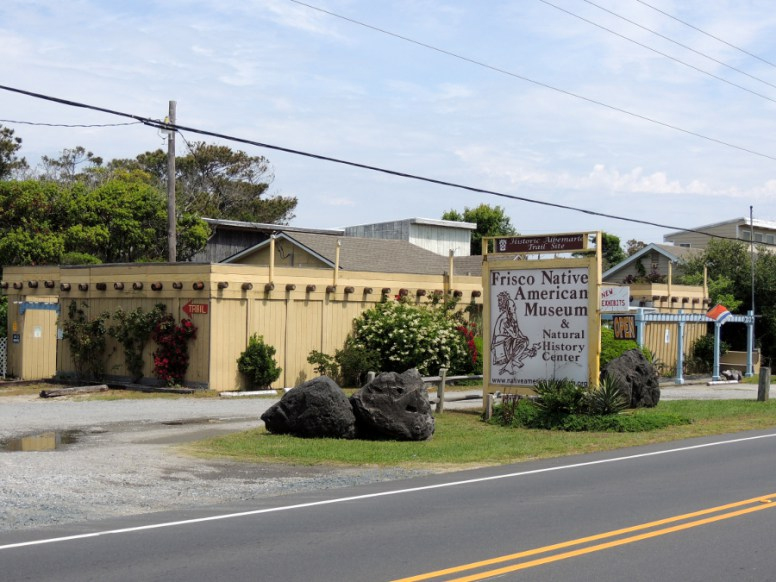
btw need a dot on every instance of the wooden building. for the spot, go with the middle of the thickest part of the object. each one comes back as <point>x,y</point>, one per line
<point>299,290</point>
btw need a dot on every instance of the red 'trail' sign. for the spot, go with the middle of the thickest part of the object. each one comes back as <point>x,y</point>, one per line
<point>195,308</point>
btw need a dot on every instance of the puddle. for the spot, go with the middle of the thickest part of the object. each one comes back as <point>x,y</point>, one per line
<point>45,441</point>
<point>187,421</point>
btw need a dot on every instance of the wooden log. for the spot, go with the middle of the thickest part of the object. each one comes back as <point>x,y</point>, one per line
<point>73,391</point>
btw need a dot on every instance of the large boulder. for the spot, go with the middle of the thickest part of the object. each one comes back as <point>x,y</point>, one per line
<point>638,378</point>
<point>394,407</point>
<point>318,408</point>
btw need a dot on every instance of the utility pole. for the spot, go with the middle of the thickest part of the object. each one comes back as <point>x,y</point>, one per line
<point>171,235</point>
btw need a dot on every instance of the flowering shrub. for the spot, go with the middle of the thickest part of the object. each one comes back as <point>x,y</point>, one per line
<point>409,336</point>
<point>472,363</point>
<point>132,330</point>
<point>171,359</point>
<point>86,338</point>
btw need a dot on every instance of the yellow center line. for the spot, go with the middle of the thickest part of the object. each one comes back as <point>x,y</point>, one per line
<point>612,544</point>
<point>765,502</point>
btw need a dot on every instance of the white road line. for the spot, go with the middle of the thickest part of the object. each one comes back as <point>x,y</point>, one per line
<point>375,495</point>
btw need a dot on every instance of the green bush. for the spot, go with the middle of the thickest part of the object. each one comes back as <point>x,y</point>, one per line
<point>75,258</point>
<point>348,367</point>
<point>524,413</point>
<point>563,405</point>
<point>560,397</point>
<point>702,353</point>
<point>324,364</point>
<point>516,413</point>
<point>613,348</point>
<point>355,362</point>
<point>133,330</point>
<point>606,398</point>
<point>619,422</point>
<point>258,363</point>
<point>87,341</point>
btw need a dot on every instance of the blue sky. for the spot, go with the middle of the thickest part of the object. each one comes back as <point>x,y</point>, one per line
<point>281,73</point>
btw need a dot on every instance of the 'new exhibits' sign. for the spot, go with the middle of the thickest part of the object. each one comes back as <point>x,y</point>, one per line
<point>614,298</point>
<point>539,325</point>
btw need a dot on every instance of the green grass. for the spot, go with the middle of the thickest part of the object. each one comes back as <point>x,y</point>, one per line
<point>463,440</point>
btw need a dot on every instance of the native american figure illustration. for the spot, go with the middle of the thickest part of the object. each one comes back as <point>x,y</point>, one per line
<point>509,345</point>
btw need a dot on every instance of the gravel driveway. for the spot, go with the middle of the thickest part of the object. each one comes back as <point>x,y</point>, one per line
<point>126,460</point>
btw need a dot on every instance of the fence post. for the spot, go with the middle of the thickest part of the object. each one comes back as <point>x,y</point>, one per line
<point>3,356</point>
<point>749,346</point>
<point>680,351</point>
<point>764,384</point>
<point>440,405</point>
<point>715,367</point>
<point>489,402</point>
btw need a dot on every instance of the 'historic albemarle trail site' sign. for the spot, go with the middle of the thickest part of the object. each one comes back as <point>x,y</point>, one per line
<point>542,317</point>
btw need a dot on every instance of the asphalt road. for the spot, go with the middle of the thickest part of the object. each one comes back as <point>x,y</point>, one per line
<point>690,510</point>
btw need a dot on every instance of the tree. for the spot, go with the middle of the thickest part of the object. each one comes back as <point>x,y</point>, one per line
<point>611,252</point>
<point>490,221</point>
<point>218,182</point>
<point>633,246</point>
<point>65,169</point>
<point>124,219</point>
<point>9,146</point>
<point>722,258</point>
<point>31,217</point>
<point>729,274</point>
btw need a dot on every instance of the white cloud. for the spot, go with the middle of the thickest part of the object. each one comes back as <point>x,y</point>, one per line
<point>336,201</point>
<point>280,73</point>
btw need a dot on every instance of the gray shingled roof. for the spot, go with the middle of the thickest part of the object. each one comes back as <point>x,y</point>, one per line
<point>671,252</point>
<point>680,252</point>
<point>383,256</point>
<point>376,255</point>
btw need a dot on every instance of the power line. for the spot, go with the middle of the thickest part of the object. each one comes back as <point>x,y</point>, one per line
<point>540,83</point>
<point>684,46</point>
<point>179,128</point>
<point>718,39</point>
<point>37,123</point>
<point>662,54</point>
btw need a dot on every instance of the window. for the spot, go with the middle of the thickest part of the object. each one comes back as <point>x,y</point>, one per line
<point>769,238</point>
<point>746,235</point>
<point>758,237</point>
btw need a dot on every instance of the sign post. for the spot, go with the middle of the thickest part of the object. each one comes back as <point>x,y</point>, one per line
<point>542,318</point>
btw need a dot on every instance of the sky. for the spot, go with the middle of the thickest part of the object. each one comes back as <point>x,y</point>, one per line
<point>608,106</point>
